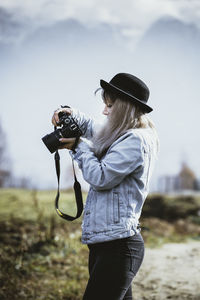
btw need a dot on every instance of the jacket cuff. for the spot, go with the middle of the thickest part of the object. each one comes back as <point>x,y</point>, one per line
<point>82,148</point>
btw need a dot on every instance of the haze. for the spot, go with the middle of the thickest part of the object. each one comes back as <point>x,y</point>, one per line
<point>55,52</point>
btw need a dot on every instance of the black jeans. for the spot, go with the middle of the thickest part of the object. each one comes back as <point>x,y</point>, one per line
<point>112,267</point>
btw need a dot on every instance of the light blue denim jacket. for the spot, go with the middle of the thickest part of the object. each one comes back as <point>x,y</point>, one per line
<point>118,182</point>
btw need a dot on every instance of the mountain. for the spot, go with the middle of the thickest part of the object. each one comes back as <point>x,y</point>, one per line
<point>12,31</point>
<point>11,28</point>
<point>69,32</point>
<point>7,28</point>
<point>62,63</point>
<point>170,39</point>
<point>64,39</point>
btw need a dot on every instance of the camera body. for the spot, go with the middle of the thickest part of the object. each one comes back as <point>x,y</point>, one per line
<point>69,129</point>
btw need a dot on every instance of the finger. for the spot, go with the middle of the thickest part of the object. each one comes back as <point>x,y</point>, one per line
<point>67,140</point>
<point>53,121</point>
<point>55,115</point>
<point>55,118</point>
<point>66,146</point>
<point>67,110</point>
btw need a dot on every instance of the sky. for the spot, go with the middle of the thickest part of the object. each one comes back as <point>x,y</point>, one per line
<point>130,17</point>
<point>57,51</point>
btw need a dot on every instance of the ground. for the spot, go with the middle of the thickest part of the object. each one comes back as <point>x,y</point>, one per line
<point>169,272</point>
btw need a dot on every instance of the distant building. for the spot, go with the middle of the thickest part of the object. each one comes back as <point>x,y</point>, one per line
<point>185,180</point>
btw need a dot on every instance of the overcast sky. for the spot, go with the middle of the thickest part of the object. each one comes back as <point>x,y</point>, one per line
<point>42,72</point>
<point>132,16</point>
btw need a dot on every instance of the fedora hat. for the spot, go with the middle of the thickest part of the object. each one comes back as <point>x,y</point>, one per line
<point>128,85</point>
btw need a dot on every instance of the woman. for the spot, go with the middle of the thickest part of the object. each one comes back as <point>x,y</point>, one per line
<point>118,166</point>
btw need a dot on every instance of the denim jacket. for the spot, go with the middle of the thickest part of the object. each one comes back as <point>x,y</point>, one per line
<point>118,182</point>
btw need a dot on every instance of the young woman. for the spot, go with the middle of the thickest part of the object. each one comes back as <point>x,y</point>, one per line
<point>118,166</point>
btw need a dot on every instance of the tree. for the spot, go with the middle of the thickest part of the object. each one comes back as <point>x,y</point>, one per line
<point>5,164</point>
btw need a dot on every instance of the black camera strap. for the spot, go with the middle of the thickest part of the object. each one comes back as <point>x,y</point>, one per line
<point>77,191</point>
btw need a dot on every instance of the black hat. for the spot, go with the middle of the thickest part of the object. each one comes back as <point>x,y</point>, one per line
<point>131,86</point>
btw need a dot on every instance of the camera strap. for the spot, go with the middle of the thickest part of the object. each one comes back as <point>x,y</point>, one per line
<point>77,191</point>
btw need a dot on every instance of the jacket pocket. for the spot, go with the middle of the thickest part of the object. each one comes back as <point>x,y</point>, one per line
<point>116,213</point>
<point>98,215</point>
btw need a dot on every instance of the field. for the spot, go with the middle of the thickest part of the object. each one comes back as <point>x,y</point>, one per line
<point>41,256</point>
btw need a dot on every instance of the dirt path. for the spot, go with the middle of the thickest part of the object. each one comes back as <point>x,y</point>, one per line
<point>170,272</point>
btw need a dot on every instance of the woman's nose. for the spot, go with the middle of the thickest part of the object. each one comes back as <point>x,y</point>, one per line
<point>105,111</point>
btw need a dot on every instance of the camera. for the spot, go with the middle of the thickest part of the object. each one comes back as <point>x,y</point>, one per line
<point>69,129</point>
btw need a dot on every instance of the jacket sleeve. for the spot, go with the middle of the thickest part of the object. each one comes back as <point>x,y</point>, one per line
<point>123,157</point>
<point>86,124</point>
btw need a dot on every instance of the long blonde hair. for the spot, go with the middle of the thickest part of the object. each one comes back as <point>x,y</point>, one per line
<point>125,115</point>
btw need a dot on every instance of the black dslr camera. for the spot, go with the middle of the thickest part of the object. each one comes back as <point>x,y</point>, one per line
<point>69,128</point>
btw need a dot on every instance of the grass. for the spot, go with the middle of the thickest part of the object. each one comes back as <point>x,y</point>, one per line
<point>26,204</point>
<point>41,256</point>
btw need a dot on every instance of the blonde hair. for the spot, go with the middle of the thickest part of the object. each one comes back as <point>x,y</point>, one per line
<point>125,115</point>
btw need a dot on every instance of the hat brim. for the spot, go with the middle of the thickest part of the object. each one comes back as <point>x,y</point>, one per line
<point>108,86</point>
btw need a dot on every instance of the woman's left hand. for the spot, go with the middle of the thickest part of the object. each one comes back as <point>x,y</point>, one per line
<point>68,143</point>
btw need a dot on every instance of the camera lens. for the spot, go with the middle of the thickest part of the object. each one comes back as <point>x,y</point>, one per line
<point>52,140</point>
<point>67,121</point>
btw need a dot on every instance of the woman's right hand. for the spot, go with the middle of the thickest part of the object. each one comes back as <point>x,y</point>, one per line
<point>55,117</point>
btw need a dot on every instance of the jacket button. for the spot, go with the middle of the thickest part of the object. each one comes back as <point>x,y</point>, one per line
<point>87,212</point>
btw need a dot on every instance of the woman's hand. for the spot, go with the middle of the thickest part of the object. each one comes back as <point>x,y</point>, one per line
<point>55,117</point>
<point>68,143</point>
